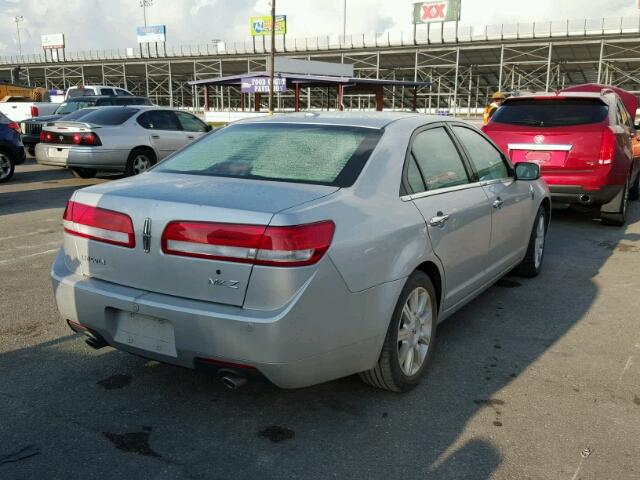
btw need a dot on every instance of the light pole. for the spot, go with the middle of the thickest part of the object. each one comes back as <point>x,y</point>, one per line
<point>272,54</point>
<point>18,19</point>
<point>344,20</point>
<point>144,4</point>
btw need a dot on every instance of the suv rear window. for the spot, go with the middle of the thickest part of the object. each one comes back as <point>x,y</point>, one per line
<point>289,152</point>
<point>109,115</point>
<point>551,113</point>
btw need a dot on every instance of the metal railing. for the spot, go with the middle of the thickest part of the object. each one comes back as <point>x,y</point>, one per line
<point>425,35</point>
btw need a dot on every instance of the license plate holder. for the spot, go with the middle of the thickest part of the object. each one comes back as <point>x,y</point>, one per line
<point>147,333</point>
<point>58,153</point>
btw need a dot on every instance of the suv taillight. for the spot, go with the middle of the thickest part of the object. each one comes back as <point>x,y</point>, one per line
<point>34,111</point>
<point>288,246</point>
<point>607,146</point>
<point>98,224</point>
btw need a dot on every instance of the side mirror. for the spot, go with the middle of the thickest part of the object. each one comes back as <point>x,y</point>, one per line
<point>209,128</point>
<point>527,171</point>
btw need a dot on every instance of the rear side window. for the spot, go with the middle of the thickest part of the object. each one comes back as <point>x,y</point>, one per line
<point>487,159</point>
<point>109,116</point>
<point>319,154</point>
<point>159,120</point>
<point>106,91</point>
<point>119,91</point>
<point>437,161</point>
<point>552,113</point>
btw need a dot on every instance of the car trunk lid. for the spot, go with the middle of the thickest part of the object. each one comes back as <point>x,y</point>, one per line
<point>154,200</point>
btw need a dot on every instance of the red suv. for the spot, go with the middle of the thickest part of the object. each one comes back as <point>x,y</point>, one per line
<point>582,141</point>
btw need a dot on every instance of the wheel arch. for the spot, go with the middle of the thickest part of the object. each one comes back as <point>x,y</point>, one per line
<point>147,149</point>
<point>435,275</point>
<point>546,204</point>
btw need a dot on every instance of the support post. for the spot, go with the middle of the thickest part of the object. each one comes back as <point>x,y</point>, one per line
<point>205,90</point>
<point>600,61</point>
<point>455,85</point>
<point>414,103</point>
<point>501,67</point>
<point>549,66</point>
<point>258,99</point>
<point>379,98</point>
<point>297,97</point>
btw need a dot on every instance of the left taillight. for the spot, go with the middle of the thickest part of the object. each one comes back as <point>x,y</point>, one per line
<point>285,246</point>
<point>14,126</point>
<point>98,224</point>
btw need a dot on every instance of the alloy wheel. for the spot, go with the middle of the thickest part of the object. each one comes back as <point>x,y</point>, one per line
<point>5,166</point>
<point>141,163</point>
<point>539,242</point>
<point>414,331</point>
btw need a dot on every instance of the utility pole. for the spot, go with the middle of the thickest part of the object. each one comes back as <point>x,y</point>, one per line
<point>18,19</point>
<point>144,4</point>
<point>272,54</point>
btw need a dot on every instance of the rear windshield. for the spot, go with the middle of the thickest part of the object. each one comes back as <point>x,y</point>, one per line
<point>319,154</point>
<point>77,114</point>
<point>108,116</point>
<point>79,92</point>
<point>551,113</point>
<point>68,107</point>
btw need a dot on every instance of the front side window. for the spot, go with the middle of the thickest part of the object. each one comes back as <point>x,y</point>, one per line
<point>437,161</point>
<point>290,152</point>
<point>190,123</point>
<point>487,159</point>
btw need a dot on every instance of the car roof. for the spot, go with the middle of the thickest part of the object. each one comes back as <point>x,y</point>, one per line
<point>98,97</point>
<point>376,120</point>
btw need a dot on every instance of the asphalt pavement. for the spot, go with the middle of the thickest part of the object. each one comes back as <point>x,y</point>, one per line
<point>536,379</point>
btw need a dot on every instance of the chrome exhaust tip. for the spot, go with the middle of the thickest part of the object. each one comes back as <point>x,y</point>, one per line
<point>586,199</point>
<point>233,382</point>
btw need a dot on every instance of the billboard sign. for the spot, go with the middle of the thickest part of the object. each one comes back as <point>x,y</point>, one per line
<point>52,41</point>
<point>436,11</point>
<point>261,26</point>
<point>261,84</point>
<point>152,34</point>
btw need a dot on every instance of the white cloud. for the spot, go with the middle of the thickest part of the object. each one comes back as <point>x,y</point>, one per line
<point>105,24</point>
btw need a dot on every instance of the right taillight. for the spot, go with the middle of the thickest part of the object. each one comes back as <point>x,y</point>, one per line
<point>607,147</point>
<point>98,224</point>
<point>283,246</point>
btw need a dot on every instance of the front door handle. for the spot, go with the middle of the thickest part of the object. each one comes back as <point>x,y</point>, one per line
<point>439,220</point>
<point>498,203</point>
<point>190,136</point>
<point>155,136</point>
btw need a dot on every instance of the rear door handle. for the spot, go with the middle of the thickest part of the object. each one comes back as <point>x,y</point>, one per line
<point>155,136</point>
<point>190,136</point>
<point>439,220</point>
<point>498,203</point>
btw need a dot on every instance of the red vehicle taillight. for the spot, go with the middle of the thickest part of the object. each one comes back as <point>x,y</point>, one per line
<point>290,246</point>
<point>607,147</point>
<point>98,224</point>
<point>14,126</point>
<point>34,111</point>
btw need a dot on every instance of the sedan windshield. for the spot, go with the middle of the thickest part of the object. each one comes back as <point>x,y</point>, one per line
<point>305,153</point>
<point>68,107</point>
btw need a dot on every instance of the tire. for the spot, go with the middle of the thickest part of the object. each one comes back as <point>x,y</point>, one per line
<point>31,151</point>
<point>83,172</point>
<point>620,218</point>
<point>634,191</point>
<point>532,262</point>
<point>139,161</point>
<point>389,373</point>
<point>7,167</point>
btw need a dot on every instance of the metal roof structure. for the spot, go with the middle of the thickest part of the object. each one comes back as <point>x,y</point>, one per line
<point>459,68</point>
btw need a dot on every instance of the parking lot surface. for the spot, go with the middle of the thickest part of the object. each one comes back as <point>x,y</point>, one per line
<point>535,379</point>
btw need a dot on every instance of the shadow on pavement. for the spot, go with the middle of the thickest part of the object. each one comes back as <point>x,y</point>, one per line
<point>125,417</point>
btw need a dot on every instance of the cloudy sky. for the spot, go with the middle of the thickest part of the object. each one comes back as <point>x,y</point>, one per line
<point>104,24</point>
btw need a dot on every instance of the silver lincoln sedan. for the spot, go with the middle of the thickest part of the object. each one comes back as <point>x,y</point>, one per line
<point>300,248</point>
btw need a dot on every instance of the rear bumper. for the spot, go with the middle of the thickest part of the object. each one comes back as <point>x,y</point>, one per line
<point>30,141</point>
<point>571,194</point>
<point>84,157</point>
<point>310,340</point>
